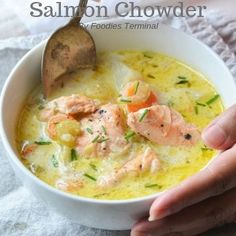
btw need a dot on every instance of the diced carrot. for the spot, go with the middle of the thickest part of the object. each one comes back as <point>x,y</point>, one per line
<point>131,91</point>
<point>149,102</point>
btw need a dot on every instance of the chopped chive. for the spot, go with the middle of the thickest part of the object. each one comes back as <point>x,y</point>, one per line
<point>104,130</point>
<point>125,100</point>
<point>201,104</point>
<point>89,131</point>
<point>102,140</point>
<point>36,169</point>
<point>151,76</point>
<point>136,88</point>
<point>41,107</point>
<point>196,110</point>
<point>93,167</point>
<point>182,78</point>
<point>146,54</point>
<point>73,155</point>
<point>95,139</point>
<point>152,186</point>
<point>212,100</point>
<point>90,177</point>
<point>154,66</point>
<point>183,82</point>
<point>100,195</point>
<point>43,142</point>
<point>171,104</point>
<point>206,149</point>
<point>143,115</point>
<point>129,135</point>
<point>54,161</point>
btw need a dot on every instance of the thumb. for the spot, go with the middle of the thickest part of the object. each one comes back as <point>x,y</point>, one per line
<point>221,133</point>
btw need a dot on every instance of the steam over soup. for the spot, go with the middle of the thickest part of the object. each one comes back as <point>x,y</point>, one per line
<point>127,129</point>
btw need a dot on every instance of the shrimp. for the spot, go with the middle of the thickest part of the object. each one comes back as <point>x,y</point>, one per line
<point>147,161</point>
<point>64,129</point>
<point>28,149</point>
<point>68,105</point>
<point>163,125</point>
<point>52,123</point>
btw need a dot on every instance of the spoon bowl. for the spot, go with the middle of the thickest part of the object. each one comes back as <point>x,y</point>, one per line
<point>68,49</point>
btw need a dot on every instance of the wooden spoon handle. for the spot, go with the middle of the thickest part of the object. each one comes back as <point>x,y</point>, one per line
<point>79,12</point>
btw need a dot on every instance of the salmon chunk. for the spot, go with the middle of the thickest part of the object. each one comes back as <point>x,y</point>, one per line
<point>69,105</point>
<point>103,132</point>
<point>147,161</point>
<point>163,125</point>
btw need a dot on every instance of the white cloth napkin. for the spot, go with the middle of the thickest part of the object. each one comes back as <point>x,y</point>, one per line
<point>22,214</point>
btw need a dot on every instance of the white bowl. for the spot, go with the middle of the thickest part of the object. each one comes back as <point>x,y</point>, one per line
<point>114,215</point>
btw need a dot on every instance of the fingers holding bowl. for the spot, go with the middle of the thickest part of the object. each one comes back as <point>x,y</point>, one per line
<point>210,213</point>
<point>217,178</point>
<point>221,133</point>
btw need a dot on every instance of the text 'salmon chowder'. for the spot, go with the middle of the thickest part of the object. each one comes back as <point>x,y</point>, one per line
<point>121,9</point>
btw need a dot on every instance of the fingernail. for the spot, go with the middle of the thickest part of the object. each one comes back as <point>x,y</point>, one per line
<point>159,216</point>
<point>154,218</point>
<point>214,135</point>
<point>151,218</point>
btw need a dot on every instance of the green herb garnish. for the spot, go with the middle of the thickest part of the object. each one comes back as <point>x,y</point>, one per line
<point>201,104</point>
<point>93,167</point>
<point>147,54</point>
<point>36,169</point>
<point>43,142</point>
<point>100,195</point>
<point>104,130</point>
<point>129,135</point>
<point>183,82</point>
<point>196,110</point>
<point>182,78</point>
<point>143,115</point>
<point>212,100</point>
<point>89,131</point>
<point>102,140</point>
<point>152,186</point>
<point>151,76</point>
<point>136,88</point>
<point>73,155</point>
<point>125,100</point>
<point>95,139</point>
<point>154,66</point>
<point>99,139</point>
<point>206,149</point>
<point>90,177</point>
<point>54,161</point>
<point>41,107</point>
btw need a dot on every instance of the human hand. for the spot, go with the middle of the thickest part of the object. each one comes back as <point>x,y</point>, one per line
<point>205,200</point>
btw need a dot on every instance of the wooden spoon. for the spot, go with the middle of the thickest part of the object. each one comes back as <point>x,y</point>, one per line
<point>68,49</point>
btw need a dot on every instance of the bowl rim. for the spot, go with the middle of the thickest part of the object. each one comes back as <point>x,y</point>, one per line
<point>51,189</point>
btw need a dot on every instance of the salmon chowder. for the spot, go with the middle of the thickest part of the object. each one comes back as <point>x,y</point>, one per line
<point>131,127</point>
